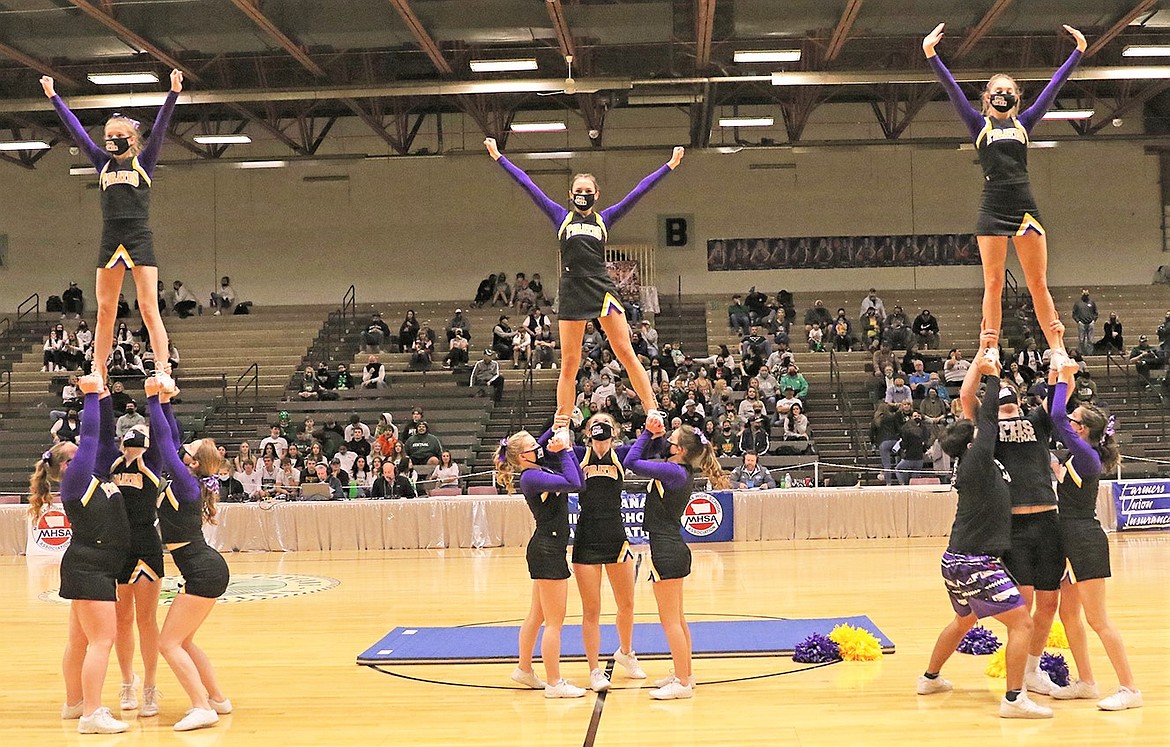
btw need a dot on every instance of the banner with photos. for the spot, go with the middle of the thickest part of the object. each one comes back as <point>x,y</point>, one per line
<point>835,252</point>
<point>627,277</point>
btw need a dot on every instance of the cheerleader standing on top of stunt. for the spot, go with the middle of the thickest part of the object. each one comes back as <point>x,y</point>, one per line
<point>1088,435</point>
<point>125,169</point>
<point>546,492</point>
<point>186,503</point>
<point>1001,132</point>
<point>90,566</point>
<point>672,482</point>
<point>586,291</point>
<point>600,543</point>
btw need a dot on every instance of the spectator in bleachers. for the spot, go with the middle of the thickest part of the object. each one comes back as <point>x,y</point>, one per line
<point>249,478</point>
<point>640,348</point>
<point>408,332</point>
<point>502,338</point>
<point>650,336</point>
<point>1114,339</point>
<point>913,454</point>
<point>459,323</point>
<point>84,334</point>
<point>898,393</point>
<point>385,436</point>
<point>223,298</point>
<point>446,474</point>
<point>342,462</point>
<point>935,413</point>
<point>325,382</point>
<point>592,340</point>
<point>54,347</point>
<point>342,379</point>
<point>358,443</point>
<point>841,339</point>
<point>243,454</point>
<point>738,317</point>
<point>129,418</point>
<point>545,347</point>
<point>68,428</point>
<point>726,441</point>
<point>521,346</point>
<point>416,417</point>
<point>307,433</point>
<point>332,434</point>
<point>536,285</point>
<point>423,447</point>
<point>692,414</point>
<point>870,331</point>
<point>885,430</point>
<point>331,474</point>
<point>522,295</point>
<point>936,384</point>
<point>73,301</point>
<point>288,479</point>
<point>793,378</point>
<point>768,386</point>
<point>781,327</point>
<point>897,314</point>
<point>485,291</point>
<point>269,473</point>
<point>1085,314</point>
<point>785,404</point>
<point>502,292</point>
<point>781,358</point>
<point>816,339</point>
<point>919,380</point>
<point>294,456</point>
<point>925,329</point>
<point>796,429</point>
<point>955,368</point>
<point>754,436</point>
<point>756,342</point>
<point>373,374</point>
<point>750,475</point>
<point>485,373</point>
<point>356,426</point>
<point>896,335</point>
<point>757,305</point>
<point>751,405</point>
<point>230,489</point>
<point>376,334</point>
<point>1029,359</point>
<point>1085,390</point>
<point>818,316</point>
<point>275,438</point>
<point>392,484</point>
<point>123,309</point>
<point>421,353</point>
<point>871,301</point>
<point>183,301</point>
<point>457,352</point>
<point>307,386</point>
<point>361,475</point>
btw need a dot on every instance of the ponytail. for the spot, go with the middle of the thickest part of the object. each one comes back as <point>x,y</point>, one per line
<point>700,455</point>
<point>1101,435</point>
<point>48,470</point>
<point>507,460</point>
<point>205,453</point>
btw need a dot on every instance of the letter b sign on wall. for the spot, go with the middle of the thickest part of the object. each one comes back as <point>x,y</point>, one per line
<point>675,230</point>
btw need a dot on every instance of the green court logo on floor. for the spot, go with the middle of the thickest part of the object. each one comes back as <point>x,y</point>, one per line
<point>244,587</point>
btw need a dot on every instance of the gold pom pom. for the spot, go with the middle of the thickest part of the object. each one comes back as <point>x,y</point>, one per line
<point>856,644</point>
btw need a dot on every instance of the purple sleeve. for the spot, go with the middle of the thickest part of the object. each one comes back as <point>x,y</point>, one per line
<point>614,213</point>
<point>176,429</point>
<point>158,133</point>
<point>535,481</point>
<point>1031,116</point>
<point>972,118</point>
<point>545,437</point>
<point>83,465</point>
<point>1084,457</point>
<point>183,483</point>
<point>555,212</point>
<point>108,448</point>
<point>671,475</point>
<point>96,155</point>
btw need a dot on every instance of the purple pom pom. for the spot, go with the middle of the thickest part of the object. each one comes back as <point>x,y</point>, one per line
<point>979,641</point>
<point>1056,667</point>
<point>816,649</point>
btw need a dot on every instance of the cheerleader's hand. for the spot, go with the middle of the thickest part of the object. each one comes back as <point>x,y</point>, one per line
<point>492,149</point>
<point>47,86</point>
<point>1057,327</point>
<point>176,80</point>
<point>932,39</point>
<point>676,157</point>
<point>1081,43</point>
<point>153,386</point>
<point>559,442</point>
<point>91,384</point>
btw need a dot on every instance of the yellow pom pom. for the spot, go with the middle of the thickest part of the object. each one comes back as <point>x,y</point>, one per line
<point>856,644</point>
<point>1057,637</point>
<point>997,667</point>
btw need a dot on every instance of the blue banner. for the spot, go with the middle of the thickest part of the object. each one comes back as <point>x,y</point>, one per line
<point>708,517</point>
<point>1142,504</point>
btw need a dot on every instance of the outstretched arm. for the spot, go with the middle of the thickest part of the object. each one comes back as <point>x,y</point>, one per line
<point>96,155</point>
<point>569,477</point>
<point>1085,458</point>
<point>1031,116</point>
<point>614,213</point>
<point>176,429</point>
<point>972,118</point>
<point>108,447</point>
<point>671,475</point>
<point>83,465</point>
<point>555,212</point>
<point>183,483</point>
<point>158,132</point>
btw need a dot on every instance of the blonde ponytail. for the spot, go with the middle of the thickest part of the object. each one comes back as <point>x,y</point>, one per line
<point>700,455</point>
<point>507,460</point>
<point>47,471</point>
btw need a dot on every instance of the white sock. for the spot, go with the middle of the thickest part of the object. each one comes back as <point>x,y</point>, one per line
<point>1033,663</point>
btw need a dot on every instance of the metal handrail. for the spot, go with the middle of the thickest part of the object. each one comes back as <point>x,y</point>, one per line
<point>6,323</point>
<point>6,385</point>
<point>835,379</point>
<point>349,302</point>
<point>1011,284</point>
<point>253,381</point>
<point>30,305</point>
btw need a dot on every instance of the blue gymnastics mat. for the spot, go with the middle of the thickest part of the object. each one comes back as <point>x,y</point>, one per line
<point>495,643</point>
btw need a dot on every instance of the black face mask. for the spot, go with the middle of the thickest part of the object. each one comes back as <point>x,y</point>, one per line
<point>117,145</point>
<point>584,201</point>
<point>1003,102</point>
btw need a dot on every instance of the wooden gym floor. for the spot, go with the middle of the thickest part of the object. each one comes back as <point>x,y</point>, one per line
<point>288,664</point>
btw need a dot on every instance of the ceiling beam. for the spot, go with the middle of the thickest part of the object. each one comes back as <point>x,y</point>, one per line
<point>422,36</point>
<point>1142,7</point>
<point>844,26</point>
<point>704,29</point>
<point>556,14</point>
<point>251,9</point>
<point>1129,104</point>
<point>133,39</point>
<point>31,62</point>
<point>985,24</point>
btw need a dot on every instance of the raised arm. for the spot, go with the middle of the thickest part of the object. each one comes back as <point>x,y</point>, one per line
<point>1085,458</point>
<point>97,156</point>
<point>83,465</point>
<point>551,209</point>
<point>1031,116</point>
<point>183,484</point>
<point>671,475</point>
<point>987,420</point>
<point>569,476</point>
<point>108,446</point>
<point>972,118</point>
<point>158,132</point>
<point>614,213</point>
<point>176,429</point>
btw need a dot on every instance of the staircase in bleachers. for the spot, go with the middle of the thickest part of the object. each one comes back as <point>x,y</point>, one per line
<point>683,322</point>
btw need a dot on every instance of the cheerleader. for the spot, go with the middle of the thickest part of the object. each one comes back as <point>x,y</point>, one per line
<point>672,482</point>
<point>600,543</point>
<point>586,291</point>
<point>125,169</point>
<point>185,504</point>
<point>90,566</point>
<point>1001,133</point>
<point>546,492</point>
<point>976,578</point>
<point>1088,435</point>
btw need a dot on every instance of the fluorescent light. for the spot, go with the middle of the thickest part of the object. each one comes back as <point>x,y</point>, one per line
<point>121,79</point>
<point>552,155</point>
<point>1070,114</point>
<point>767,55</point>
<point>664,99</point>
<point>82,171</point>
<point>538,127</point>
<point>261,164</point>
<point>1042,144</point>
<point>24,145</point>
<point>1146,50</point>
<point>747,122</point>
<point>222,139</point>
<point>502,66</point>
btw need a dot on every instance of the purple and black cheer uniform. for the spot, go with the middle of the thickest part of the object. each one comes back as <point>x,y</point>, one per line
<point>1085,546</point>
<point>667,496</point>
<point>976,579</point>
<point>547,494</point>
<point>586,290</point>
<point>600,538</point>
<point>1008,207</point>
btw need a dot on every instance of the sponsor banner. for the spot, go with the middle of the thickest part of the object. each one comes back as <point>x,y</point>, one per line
<point>831,252</point>
<point>1142,504</point>
<point>49,535</point>
<point>707,517</point>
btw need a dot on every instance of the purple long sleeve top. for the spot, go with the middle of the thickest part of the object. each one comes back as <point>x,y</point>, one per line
<point>98,156</point>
